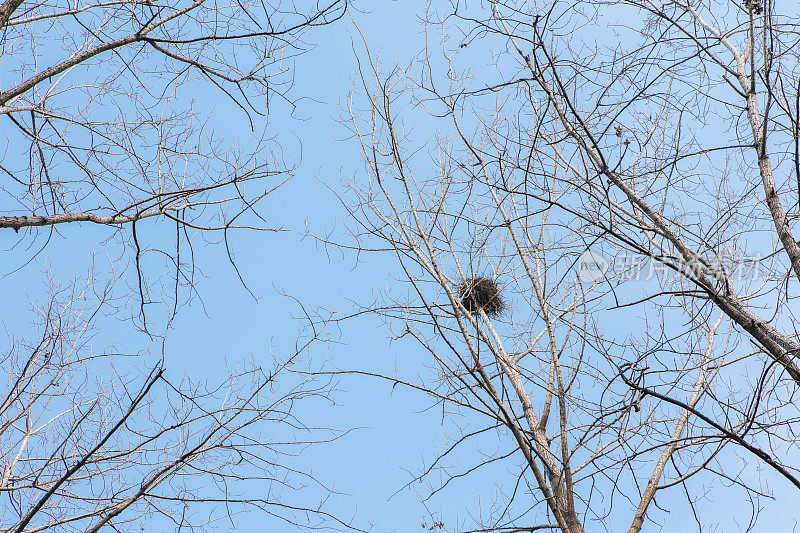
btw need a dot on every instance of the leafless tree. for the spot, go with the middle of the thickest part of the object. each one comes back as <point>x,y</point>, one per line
<point>627,173</point>
<point>106,124</point>
<point>106,110</point>
<point>93,440</point>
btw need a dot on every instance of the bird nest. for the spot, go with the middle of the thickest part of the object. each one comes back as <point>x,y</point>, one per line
<point>481,293</point>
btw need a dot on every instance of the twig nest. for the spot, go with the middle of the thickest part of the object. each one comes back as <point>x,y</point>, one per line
<point>481,293</point>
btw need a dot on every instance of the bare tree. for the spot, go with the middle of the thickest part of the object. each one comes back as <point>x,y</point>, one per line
<point>93,440</point>
<point>626,173</point>
<point>108,125</point>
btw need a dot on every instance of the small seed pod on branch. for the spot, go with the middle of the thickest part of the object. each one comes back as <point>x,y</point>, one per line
<point>481,293</point>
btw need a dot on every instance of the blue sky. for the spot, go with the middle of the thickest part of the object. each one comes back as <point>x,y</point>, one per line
<point>371,463</point>
<point>395,434</point>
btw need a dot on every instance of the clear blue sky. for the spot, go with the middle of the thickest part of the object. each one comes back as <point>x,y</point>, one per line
<point>373,462</point>
<point>396,436</point>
